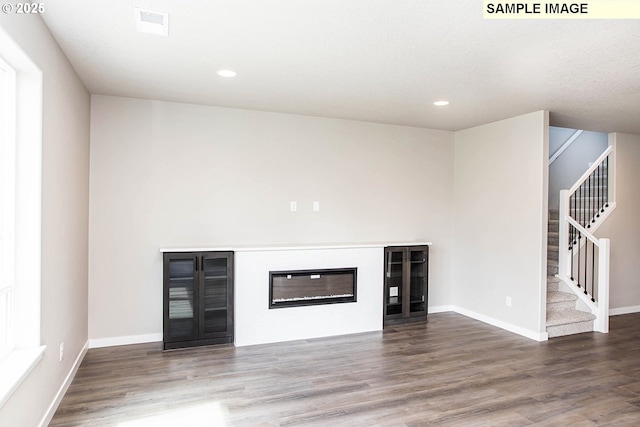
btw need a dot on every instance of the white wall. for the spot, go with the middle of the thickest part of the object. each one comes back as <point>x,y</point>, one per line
<point>574,161</point>
<point>501,222</point>
<point>622,227</point>
<point>168,174</point>
<point>65,175</point>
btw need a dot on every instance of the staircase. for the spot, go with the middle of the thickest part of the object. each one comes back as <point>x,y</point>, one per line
<point>563,317</point>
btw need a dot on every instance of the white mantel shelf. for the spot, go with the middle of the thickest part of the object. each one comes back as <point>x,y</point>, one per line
<point>293,247</point>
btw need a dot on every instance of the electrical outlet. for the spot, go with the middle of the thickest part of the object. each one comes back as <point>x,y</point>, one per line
<point>61,351</point>
<point>294,206</point>
<point>508,302</point>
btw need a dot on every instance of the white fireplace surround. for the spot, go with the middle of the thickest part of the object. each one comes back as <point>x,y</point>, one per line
<point>255,323</point>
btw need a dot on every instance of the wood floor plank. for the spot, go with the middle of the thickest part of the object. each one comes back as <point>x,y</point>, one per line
<point>451,371</point>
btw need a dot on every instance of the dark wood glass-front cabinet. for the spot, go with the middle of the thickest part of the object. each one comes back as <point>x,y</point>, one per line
<point>405,284</point>
<point>198,299</point>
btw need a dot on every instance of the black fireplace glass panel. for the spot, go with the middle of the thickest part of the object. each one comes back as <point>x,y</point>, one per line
<point>312,287</point>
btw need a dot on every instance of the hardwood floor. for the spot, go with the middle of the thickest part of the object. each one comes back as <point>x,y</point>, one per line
<point>451,371</point>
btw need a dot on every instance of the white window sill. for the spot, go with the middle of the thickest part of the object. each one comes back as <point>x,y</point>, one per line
<point>15,368</point>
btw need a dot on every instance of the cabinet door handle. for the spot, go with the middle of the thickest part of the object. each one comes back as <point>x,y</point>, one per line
<point>197,258</point>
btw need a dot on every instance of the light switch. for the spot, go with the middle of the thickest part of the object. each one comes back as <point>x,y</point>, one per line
<point>316,206</point>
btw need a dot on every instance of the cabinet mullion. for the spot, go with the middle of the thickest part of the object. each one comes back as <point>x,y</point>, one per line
<point>200,300</point>
<point>406,283</point>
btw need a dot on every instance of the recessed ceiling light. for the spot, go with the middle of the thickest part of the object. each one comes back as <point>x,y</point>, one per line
<point>441,103</point>
<point>227,73</point>
<point>152,22</point>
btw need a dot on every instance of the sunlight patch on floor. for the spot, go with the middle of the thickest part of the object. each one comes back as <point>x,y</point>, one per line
<point>208,414</point>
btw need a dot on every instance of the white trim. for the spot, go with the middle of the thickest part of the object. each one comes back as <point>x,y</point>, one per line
<point>27,349</point>
<point>299,247</point>
<point>591,169</point>
<point>564,260</point>
<point>534,335</point>
<point>7,206</point>
<point>28,194</point>
<point>624,310</point>
<point>579,292</point>
<point>603,216</point>
<point>126,340</point>
<point>612,168</point>
<point>441,309</point>
<point>582,230</point>
<point>48,416</point>
<point>601,323</point>
<point>15,368</point>
<point>564,146</point>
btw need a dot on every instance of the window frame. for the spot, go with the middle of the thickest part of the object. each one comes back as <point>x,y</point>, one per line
<point>26,106</point>
<point>7,206</point>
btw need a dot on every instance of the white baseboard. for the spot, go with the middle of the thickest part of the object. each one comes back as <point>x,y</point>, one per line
<point>537,336</point>
<point>441,309</point>
<point>140,339</point>
<point>131,339</point>
<point>624,310</point>
<point>64,387</point>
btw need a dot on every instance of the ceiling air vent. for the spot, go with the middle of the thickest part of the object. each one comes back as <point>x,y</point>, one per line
<point>152,22</point>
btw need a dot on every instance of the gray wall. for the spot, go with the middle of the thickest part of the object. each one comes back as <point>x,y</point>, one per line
<point>623,227</point>
<point>169,174</point>
<point>501,222</point>
<point>65,202</point>
<point>574,161</point>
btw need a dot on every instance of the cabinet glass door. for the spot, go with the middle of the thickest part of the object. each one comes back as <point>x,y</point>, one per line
<point>182,298</point>
<point>215,311</point>
<point>393,282</point>
<point>418,281</point>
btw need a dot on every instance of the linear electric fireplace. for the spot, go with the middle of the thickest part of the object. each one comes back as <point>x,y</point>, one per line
<point>312,287</point>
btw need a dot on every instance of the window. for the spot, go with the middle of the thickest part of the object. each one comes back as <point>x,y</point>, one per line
<point>7,206</point>
<point>20,215</point>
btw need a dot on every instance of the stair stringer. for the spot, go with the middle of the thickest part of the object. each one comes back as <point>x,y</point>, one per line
<point>584,302</point>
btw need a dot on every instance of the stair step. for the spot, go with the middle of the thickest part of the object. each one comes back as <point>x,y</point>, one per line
<point>553,297</point>
<point>567,317</point>
<point>568,322</point>
<point>560,301</point>
<point>562,316</point>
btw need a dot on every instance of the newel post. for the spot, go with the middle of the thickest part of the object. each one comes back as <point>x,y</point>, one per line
<point>564,255</point>
<point>602,322</point>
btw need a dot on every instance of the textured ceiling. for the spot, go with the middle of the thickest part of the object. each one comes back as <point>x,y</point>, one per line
<point>374,60</point>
